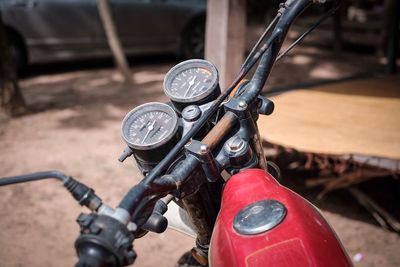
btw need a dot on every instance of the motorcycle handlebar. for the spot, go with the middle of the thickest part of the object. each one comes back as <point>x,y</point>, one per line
<point>267,55</point>
<point>292,8</point>
<point>225,124</point>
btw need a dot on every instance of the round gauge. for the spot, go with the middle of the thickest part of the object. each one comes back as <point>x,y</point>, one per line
<point>149,126</point>
<point>191,81</point>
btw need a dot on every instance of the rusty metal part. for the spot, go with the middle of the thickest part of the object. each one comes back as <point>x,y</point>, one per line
<point>202,208</point>
<point>334,171</point>
<point>225,125</point>
<point>206,159</point>
<point>256,143</point>
<point>199,256</point>
<point>201,213</point>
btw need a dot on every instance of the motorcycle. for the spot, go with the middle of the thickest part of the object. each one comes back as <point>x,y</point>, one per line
<point>206,175</point>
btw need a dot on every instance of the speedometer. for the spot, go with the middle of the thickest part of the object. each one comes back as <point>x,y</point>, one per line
<point>193,81</point>
<point>150,131</point>
<point>149,126</point>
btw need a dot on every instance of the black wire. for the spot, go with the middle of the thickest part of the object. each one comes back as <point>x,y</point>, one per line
<point>34,177</point>
<point>256,46</point>
<point>301,37</point>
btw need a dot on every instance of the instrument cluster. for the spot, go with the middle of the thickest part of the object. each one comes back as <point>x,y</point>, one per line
<point>152,129</point>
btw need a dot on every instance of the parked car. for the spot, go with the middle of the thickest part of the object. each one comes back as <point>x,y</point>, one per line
<point>58,30</point>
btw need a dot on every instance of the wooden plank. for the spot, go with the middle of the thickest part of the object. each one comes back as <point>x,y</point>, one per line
<point>383,217</point>
<point>225,36</point>
<point>357,117</point>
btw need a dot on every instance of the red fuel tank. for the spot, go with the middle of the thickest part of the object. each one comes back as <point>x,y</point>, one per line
<point>263,224</point>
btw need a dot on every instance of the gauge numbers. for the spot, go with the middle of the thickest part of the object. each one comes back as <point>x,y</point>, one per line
<point>149,125</point>
<point>191,80</point>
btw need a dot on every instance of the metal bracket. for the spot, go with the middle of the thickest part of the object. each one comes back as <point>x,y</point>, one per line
<point>126,154</point>
<point>238,107</point>
<point>205,157</point>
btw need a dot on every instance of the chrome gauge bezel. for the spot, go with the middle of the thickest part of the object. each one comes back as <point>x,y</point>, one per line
<point>191,63</point>
<point>145,108</point>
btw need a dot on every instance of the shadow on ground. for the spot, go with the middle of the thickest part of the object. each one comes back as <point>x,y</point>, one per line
<point>385,191</point>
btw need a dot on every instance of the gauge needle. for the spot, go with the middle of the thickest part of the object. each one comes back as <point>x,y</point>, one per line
<point>156,131</point>
<point>144,126</point>
<point>149,129</point>
<point>194,91</point>
<point>191,82</point>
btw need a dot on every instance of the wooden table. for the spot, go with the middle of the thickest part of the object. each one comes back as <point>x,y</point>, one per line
<point>357,117</point>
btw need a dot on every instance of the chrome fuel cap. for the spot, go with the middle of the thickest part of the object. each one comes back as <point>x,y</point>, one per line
<point>259,217</point>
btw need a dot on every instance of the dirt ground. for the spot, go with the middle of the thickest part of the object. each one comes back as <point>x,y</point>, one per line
<point>74,127</point>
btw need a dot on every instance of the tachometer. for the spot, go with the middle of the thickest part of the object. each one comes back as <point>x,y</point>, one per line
<point>191,82</point>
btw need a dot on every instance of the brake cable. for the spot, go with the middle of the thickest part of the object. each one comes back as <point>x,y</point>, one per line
<point>301,37</point>
<point>262,37</point>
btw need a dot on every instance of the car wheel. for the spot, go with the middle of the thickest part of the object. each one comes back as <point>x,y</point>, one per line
<point>17,50</point>
<point>193,40</point>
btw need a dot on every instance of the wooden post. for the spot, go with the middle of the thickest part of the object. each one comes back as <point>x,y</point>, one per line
<point>225,37</point>
<point>113,39</point>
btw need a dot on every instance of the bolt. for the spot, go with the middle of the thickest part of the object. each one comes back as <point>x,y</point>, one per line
<point>203,149</point>
<point>84,220</point>
<point>191,110</point>
<point>191,113</point>
<point>95,229</point>
<point>242,105</point>
<point>235,144</point>
<point>188,143</point>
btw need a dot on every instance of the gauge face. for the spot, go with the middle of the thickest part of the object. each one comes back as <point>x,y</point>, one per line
<point>149,126</point>
<point>191,81</point>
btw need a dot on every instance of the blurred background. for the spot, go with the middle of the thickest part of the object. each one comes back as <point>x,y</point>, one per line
<point>71,69</point>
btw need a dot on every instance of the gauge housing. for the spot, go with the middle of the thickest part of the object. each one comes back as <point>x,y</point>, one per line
<point>179,77</point>
<point>150,118</point>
